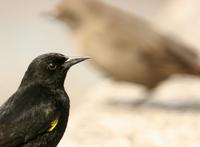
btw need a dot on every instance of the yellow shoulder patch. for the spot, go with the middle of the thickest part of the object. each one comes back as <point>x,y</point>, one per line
<point>53,125</point>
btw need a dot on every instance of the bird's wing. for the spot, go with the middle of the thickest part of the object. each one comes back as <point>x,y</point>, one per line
<point>25,116</point>
<point>157,49</point>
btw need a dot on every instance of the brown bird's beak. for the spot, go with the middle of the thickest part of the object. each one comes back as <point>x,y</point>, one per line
<point>74,60</point>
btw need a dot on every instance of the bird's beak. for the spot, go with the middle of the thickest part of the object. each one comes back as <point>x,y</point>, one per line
<point>74,60</point>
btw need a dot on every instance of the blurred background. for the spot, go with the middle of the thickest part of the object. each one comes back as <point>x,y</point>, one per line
<point>101,114</point>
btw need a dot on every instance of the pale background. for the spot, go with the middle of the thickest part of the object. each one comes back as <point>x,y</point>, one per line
<point>26,32</point>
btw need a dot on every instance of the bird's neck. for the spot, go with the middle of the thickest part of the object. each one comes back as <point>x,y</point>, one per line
<point>53,86</point>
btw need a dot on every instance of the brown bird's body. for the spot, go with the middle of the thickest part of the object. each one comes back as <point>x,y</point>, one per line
<point>125,46</point>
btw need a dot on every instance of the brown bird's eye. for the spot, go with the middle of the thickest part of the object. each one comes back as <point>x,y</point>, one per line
<point>52,66</point>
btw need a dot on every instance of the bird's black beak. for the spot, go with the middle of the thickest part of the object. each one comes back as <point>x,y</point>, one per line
<point>74,60</point>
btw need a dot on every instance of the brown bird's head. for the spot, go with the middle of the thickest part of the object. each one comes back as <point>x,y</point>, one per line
<point>76,12</point>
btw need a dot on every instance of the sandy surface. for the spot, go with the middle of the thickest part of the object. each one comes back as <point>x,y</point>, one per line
<point>109,118</point>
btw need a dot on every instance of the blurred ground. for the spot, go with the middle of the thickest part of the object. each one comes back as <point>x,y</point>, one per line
<point>97,119</point>
<point>170,119</point>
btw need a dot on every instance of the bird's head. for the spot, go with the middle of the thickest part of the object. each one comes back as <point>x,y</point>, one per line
<point>77,12</point>
<point>50,69</point>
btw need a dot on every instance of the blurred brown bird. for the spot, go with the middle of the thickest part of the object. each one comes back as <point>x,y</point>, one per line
<point>125,46</point>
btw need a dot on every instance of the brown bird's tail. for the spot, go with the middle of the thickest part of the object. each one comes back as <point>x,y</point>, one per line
<point>188,58</point>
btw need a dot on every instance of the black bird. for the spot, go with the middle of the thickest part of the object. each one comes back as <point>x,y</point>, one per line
<point>36,115</point>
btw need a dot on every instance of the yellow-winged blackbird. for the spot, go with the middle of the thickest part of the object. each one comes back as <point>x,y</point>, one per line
<point>36,115</point>
<point>125,46</point>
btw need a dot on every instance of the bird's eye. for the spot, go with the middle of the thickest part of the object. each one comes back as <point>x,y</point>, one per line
<point>52,66</point>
